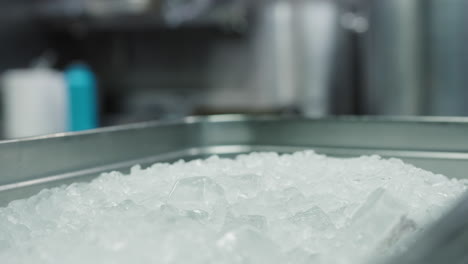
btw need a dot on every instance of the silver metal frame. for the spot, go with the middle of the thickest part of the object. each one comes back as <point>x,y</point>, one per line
<point>29,165</point>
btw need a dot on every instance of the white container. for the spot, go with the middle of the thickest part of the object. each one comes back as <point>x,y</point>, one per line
<point>34,102</point>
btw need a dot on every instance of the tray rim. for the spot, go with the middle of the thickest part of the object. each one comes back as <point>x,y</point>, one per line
<point>242,117</point>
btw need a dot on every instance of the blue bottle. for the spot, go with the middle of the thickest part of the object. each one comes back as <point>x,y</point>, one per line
<point>82,95</point>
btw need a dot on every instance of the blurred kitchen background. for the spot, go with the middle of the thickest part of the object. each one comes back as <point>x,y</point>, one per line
<point>77,64</point>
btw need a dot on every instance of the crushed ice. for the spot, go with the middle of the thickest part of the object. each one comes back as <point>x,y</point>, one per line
<point>257,208</point>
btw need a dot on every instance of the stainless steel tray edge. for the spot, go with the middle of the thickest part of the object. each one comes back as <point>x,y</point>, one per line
<point>28,165</point>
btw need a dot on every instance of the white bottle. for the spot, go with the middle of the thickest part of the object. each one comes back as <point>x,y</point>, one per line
<point>34,102</point>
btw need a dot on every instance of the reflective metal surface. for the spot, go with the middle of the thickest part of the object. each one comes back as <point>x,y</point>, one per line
<point>415,56</point>
<point>435,144</point>
<point>444,242</point>
<point>447,43</point>
<point>394,51</point>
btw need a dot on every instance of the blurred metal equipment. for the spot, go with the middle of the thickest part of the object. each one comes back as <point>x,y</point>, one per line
<point>317,33</point>
<point>220,56</point>
<point>416,53</point>
<point>447,42</point>
<point>114,7</point>
<point>170,12</point>
<point>169,58</point>
<point>393,53</point>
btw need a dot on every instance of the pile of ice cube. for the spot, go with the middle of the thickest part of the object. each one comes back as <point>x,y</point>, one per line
<point>257,208</point>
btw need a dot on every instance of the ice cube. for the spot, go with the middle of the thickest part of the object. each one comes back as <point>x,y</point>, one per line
<point>306,229</point>
<point>248,245</point>
<point>314,218</point>
<point>399,232</point>
<point>301,256</point>
<point>278,203</point>
<point>244,186</point>
<point>375,220</point>
<point>256,221</point>
<point>173,213</point>
<point>197,193</point>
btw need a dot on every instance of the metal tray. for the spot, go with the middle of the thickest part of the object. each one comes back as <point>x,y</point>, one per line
<point>29,165</point>
<point>436,144</point>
